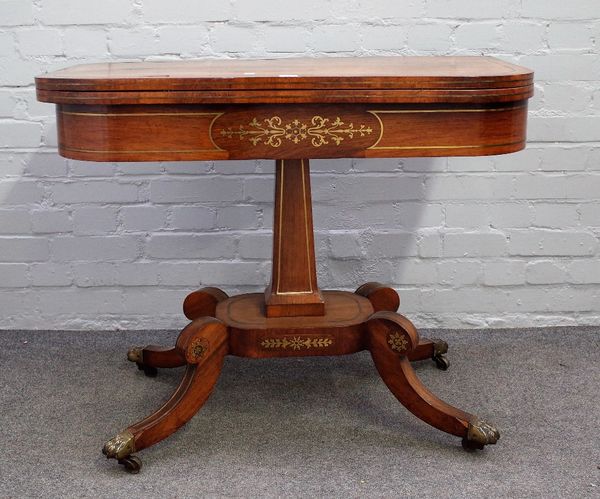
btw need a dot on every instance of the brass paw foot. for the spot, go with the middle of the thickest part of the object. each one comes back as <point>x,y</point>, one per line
<point>120,447</point>
<point>440,348</point>
<point>480,434</point>
<point>136,354</point>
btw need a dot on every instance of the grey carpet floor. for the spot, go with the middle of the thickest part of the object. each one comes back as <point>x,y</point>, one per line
<point>308,427</point>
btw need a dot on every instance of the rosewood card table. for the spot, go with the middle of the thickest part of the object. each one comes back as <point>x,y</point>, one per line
<point>291,110</point>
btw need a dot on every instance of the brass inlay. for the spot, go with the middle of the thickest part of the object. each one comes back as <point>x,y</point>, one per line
<point>449,110</point>
<point>281,198</point>
<point>135,151</point>
<point>477,146</point>
<point>282,173</point>
<point>374,113</point>
<point>272,131</point>
<point>198,348</point>
<point>419,111</point>
<point>398,342</point>
<point>74,113</point>
<point>210,127</point>
<point>296,343</point>
<point>306,235</point>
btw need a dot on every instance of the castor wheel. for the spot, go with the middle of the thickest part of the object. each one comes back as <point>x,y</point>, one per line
<point>441,362</point>
<point>132,464</point>
<point>440,348</point>
<point>149,371</point>
<point>471,446</point>
<point>136,355</point>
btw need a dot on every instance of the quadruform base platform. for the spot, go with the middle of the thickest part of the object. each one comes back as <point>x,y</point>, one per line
<point>338,332</point>
<point>364,320</point>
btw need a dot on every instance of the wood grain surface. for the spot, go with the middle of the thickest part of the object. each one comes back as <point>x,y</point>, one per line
<point>393,72</point>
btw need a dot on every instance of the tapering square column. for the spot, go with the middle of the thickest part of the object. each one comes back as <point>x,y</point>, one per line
<point>293,290</point>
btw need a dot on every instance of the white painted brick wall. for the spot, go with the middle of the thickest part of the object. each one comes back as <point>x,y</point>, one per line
<point>494,241</point>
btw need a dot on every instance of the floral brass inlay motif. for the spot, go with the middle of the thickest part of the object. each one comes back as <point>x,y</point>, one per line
<point>296,343</point>
<point>199,348</point>
<point>398,342</point>
<point>272,131</point>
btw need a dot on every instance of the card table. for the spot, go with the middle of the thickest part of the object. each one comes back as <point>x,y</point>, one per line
<point>290,110</point>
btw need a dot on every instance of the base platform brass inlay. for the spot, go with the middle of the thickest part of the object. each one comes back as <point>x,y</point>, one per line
<point>398,342</point>
<point>296,343</point>
<point>272,131</point>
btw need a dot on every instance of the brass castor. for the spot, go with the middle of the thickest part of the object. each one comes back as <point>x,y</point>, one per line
<point>471,446</point>
<point>149,371</point>
<point>135,354</point>
<point>479,434</point>
<point>440,348</point>
<point>120,448</point>
<point>441,362</point>
<point>132,464</point>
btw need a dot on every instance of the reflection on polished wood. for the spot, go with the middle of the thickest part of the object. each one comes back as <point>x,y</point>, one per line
<point>291,110</point>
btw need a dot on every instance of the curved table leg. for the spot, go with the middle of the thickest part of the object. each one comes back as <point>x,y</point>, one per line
<point>150,357</point>
<point>203,344</point>
<point>200,303</point>
<point>382,298</point>
<point>392,338</point>
<point>434,349</point>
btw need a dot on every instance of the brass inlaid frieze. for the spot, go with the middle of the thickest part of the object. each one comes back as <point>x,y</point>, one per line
<point>296,343</point>
<point>320,131</point>
<point>398,342</point>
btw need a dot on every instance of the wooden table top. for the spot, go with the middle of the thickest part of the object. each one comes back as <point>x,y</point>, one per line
<point>302,79</point>
<point>289,108</point>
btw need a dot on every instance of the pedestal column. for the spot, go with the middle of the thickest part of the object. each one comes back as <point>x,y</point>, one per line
<point>293,290</point>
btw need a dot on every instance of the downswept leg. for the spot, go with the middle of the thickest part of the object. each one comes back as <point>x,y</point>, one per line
<point>384,298</point>
<point>150,357</point>
<point>200,303</point>
<point>392,338</point>
<point>203,345</point>
<point>434,349</point>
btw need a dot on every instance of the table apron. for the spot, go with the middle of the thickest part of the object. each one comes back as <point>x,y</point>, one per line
<point>199,132</point>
